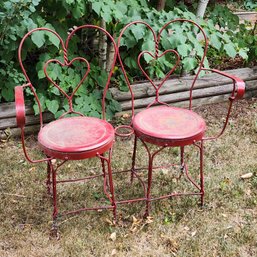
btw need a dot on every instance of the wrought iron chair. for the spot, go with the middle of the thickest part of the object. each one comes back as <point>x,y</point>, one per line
<point>163,125</point>
<point>70,138</point>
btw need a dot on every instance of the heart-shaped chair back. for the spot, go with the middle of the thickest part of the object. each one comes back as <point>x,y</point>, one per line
<point>67,63</point>
<point>160,52</point>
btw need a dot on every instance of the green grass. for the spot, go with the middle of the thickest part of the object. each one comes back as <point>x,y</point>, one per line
<point>225,226</point>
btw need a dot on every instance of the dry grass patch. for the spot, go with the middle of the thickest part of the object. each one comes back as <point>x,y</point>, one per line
<point>226,226</point>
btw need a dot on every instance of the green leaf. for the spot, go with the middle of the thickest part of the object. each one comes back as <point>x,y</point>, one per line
<point>96,6</point>
<point>138,32</point>
<point>70,1</point>
<point>55,90</point>
<point>54,71</point>
<point>148,58</point>
<point>189,63</point>
<point>52,105</point>
<point>106,13</point>
<point>131,62</point>
<point>183,50</point>
<point>215,41</point>
<point>41,74</point>
<point>79,10</point>
<point>122,7</point>
<point>52,38</point>
<point>230,50</point>
<point>38,38</point>
<point>148,45</point>
<point>129,41</point>
<point>243,53</point>
<point>95,114</point>
<point>7,92</point>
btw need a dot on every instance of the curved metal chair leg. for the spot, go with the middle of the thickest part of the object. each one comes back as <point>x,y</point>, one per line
<point>133,160</point>
<point>54,230</point>
<point>182,158</point>
<point>48,179</point>
<point>111,185</point>
<point>149,184</point>
<point>104,169</point>
<point>150,173</point>
<point>201,173</point>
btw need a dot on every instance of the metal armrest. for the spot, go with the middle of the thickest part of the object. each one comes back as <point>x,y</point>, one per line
<point>20,106</point>
<point>124,127</point>
<point>239,84</point>
<point>237,93</point>
<point>21,120</point>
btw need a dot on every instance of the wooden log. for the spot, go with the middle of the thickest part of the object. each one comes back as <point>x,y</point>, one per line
<point>7,110</point>
<point>184,83</point>
<point>30,120</point>
<point>248,16</point>
<point>174,91</point>
<point>181,96</point>
<point>198,102</point>
<point>16,132</point>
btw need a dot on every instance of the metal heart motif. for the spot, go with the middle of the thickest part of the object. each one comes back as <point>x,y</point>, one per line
<point>155,58</point>
<point>68,64</point>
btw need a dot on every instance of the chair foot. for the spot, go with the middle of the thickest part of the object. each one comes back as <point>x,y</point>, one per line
<point>114,215</point>
<point>132,172</point>
<point>147,210</point>
<point>54,233</point>
<point>202,200</point>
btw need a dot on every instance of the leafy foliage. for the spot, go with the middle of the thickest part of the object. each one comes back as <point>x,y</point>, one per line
<point>239,38</point>
<point>250,5</point>
<point>17,18</point>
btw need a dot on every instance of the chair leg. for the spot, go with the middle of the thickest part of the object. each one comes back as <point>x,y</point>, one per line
<point>133,160</point>
<point>48,179</point>
<point>149,184</point>
<point>111,185</point>
<point>54,230</point>
<point>103,169</point>
<point>182,158</point>
<point>150,173</point>
<point>201,173</point>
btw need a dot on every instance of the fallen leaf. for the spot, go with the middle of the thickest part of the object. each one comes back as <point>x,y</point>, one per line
<point>247,175</point>
<point>113,236</point>
<point>149,219</point>
<point>193,233</point>
<point>126,115</point>
<point>109,222</point>
<point>113,252</point>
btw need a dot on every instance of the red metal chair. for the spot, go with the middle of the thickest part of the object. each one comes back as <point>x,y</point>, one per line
<point>166,126</point>
<point>70,138</point>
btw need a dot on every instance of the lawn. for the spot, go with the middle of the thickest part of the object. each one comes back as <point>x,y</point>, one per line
<point>225,226</point>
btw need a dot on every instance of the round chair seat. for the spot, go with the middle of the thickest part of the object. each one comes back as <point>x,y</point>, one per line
<point>171,126</point>
<point>76,137</point>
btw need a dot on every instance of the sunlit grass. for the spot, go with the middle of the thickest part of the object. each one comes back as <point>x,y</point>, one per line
<point>225,226</point>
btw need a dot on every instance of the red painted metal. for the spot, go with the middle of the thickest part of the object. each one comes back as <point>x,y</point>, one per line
<point>70,138</point>
<point>237,93</point>
<point>76,138</point>
<point>20,106</point>
<point>167,126</point>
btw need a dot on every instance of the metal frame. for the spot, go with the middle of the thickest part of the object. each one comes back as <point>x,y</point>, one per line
<point>52,168</point>
<point>237,92</point>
